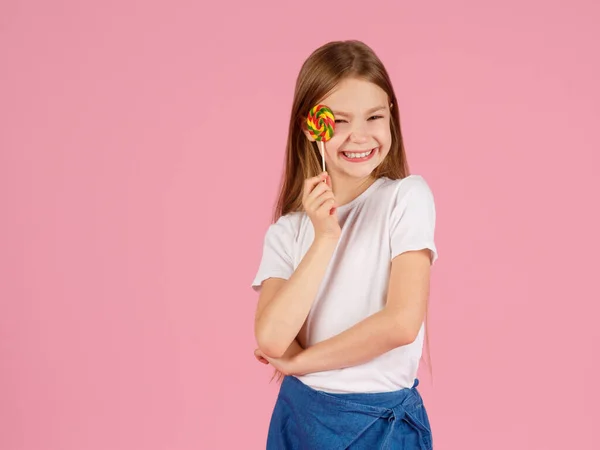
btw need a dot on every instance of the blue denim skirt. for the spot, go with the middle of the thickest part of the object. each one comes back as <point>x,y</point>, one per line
<point>307,419</point>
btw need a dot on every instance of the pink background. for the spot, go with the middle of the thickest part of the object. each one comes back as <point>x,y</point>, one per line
<point>140,154</point>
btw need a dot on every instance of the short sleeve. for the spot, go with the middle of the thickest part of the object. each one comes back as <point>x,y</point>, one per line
<point>413,215</point>
<point>277,260</point>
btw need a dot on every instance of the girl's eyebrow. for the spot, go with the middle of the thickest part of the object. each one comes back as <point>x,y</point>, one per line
<point>370,111</point>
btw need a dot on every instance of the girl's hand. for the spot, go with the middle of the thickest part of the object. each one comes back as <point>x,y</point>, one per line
<point>319,203</point>
<point>260,358</point>
<point>287,364</point>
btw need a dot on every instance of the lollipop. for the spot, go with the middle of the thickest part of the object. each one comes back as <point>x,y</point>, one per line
<point>321,125</point>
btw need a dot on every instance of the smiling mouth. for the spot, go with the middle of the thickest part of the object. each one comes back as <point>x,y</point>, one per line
<point>359,156</point>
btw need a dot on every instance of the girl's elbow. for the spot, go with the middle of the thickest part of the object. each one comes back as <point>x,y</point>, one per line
<point>405,335</point>
<point>272,351</point>
<point>269,346</point>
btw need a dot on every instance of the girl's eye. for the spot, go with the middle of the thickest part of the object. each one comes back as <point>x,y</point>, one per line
<point>370,118</point>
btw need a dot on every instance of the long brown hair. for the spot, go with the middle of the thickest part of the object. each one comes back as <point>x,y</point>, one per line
<point>324,69</point>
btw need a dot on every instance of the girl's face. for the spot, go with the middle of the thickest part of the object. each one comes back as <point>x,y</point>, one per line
<point>362,137</point>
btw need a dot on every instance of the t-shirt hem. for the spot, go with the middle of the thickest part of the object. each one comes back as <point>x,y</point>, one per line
<point>257,283</point>
<point>415,247</point>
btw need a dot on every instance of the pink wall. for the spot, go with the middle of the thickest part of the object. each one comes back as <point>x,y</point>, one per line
<point>139,161</point>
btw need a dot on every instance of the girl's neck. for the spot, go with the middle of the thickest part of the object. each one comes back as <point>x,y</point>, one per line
<point>347,189</point>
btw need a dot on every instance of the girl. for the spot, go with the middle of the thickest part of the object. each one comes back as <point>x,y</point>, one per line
<point>344,275</point>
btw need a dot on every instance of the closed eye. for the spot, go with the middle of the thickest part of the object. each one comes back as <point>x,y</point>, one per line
<point>370,118</point>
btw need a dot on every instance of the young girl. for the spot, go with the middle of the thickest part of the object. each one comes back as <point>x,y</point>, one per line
<point>344,275</point>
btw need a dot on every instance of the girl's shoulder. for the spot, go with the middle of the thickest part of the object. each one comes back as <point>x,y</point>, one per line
<point>290,220</point>
<point>287,226</point>
<point>412,185</point>
<point>413,181</point>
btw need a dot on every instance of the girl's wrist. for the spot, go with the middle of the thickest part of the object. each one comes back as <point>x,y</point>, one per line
<point>299,366</point>
<point>326,241</point>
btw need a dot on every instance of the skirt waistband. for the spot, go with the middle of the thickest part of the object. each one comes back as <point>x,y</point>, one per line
<point>347,416</point>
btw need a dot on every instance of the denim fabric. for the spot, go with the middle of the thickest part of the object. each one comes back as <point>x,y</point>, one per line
<point>308,419</point>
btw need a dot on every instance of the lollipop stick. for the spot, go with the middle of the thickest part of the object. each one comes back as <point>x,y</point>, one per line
<point>322,150</point>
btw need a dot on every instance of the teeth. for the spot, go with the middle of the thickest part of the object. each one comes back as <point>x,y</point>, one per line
<point>357,155</point>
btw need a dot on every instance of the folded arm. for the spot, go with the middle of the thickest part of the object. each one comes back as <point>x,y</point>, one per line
<point>284,305</point>
<point>397,324</point>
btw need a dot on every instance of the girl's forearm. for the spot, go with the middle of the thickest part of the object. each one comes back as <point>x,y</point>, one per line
<point>368,339</point>
<point>294,348</point>
<point>282,319</point>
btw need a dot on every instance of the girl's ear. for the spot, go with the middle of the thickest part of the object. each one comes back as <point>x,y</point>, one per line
<point>391,106</point>
<point>306,132</point>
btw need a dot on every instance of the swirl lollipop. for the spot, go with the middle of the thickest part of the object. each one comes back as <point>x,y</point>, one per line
<point>321,125</point>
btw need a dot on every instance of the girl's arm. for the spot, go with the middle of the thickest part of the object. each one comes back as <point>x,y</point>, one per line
<point>396,325</point>
<point>283,306</point>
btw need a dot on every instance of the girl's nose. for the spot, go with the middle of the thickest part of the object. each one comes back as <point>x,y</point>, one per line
<point>358,134</point>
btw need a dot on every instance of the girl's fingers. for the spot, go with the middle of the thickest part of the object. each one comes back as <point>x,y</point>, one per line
<point>262,360</point>
<point>259,357</point>
<point>318,196</point>
<point>325,197</point>
<point>326,208</point>
<point>311,183</point>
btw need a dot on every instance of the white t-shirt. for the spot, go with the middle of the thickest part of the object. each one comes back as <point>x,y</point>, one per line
<point>389,218</point>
